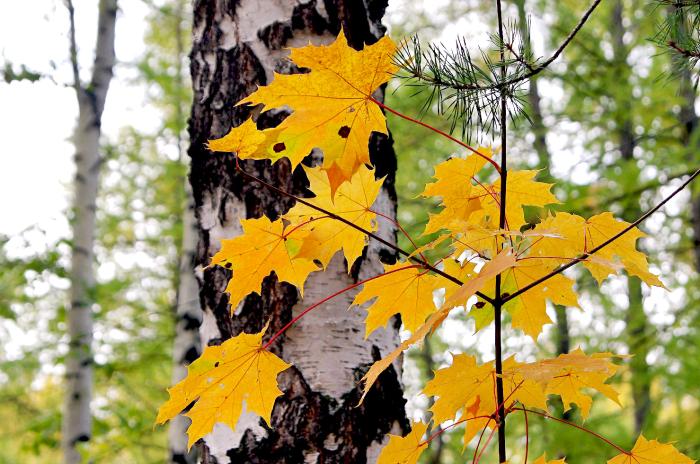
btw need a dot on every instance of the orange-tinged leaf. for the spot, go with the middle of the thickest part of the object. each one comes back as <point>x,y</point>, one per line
<point>263,247</point>
<point>404,289</point>
<point>223,380</point>
<point>404,450</point>
<point>331,106</point>
<point>353,201</point>
<point>460,385</point>
<point>652,452</point>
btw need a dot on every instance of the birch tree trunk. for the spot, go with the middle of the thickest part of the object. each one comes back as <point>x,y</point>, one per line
<point>237,46</point>
<point>77,420</point>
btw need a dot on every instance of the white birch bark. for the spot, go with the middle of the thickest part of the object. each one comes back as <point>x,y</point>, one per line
<point>77,420</point>
<point>235,48</point>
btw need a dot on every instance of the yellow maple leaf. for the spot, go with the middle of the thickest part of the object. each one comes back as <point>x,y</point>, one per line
<point>651,452</point>
<point>569,373</point>
<point>529,309</point>
<point>458,298</point>
<point>578,235</point>
<point>331,106</point>
<point>263,247</point>
<point>543,460</point>
<point>246,141</point>
<point>404,450</point>
<point>353,201</point>
<point>223,380</point>
<point>460,385</point>
<point>403,289</point>
<point>522,190</point>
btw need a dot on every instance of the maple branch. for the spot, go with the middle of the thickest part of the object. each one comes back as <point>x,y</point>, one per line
<point>436,130</point>
<point>580,427</point>
<point>586,255</point>
<point>330,297</point>
<point>376,237</point>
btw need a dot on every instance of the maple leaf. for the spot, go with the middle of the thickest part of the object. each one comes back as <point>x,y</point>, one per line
<point>529,309</point>
<point>405,289</point>
<point>459,297</point>
<point>353,201</point>
<point>459,386</point>
<point>222,380</point>
<point>263,247</point>
<point>521,191</point>
<point>479,205</point>
<point>246,141</point>
<point>578,235</point>
<point>543,460</point>
<point>404,450</point>
<point>651,452</point>
<point>468,387</point>
<point>331,105</point>
<point>569,373</point>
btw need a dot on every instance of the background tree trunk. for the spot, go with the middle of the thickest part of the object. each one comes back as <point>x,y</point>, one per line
<point>237,46</point>
<point>77,420</point>
<point>639,339</point>
<point>188,314</point>
<point>539,130</point>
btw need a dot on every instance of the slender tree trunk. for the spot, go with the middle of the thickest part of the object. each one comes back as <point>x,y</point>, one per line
<point>77,420</point>
<point>544,160</point>
<point>637,329</point>
<point>188,313</point>
<point>186,346</point>
<point>237,46</point>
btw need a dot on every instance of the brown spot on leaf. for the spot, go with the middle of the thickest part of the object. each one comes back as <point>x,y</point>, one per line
<point>344,132</point>
<point>279,146</point>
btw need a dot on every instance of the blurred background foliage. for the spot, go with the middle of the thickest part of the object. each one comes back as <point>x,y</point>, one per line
<point>608,123</point>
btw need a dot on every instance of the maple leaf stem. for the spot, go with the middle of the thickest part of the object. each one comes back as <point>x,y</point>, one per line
<point>403,231</point>
<point>372,235</point>
<point>527,436</point>
<point>326,299</point>
<point>586,255</point>
<point>580,427</point>
<point>445,429</point>
<point>488,440</point>
<point>437,131</point>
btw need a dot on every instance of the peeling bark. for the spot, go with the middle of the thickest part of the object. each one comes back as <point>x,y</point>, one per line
<point>77,419</point>
<point>236,46</point>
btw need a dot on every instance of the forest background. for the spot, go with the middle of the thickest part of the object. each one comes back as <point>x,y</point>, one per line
<point>614,134</point>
